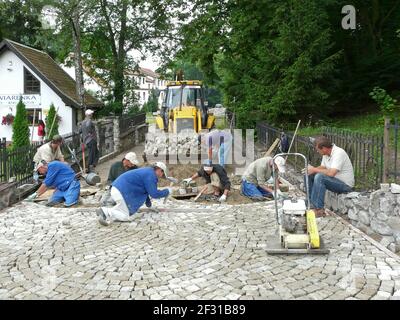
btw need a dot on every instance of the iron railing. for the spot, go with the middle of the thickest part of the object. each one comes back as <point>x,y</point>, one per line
<point>127,122</point>
<point>365,152</point>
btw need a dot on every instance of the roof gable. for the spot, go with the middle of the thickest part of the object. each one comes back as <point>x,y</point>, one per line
<point>50,72</point>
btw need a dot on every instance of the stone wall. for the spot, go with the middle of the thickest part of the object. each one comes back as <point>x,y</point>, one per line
<point>376,213</point>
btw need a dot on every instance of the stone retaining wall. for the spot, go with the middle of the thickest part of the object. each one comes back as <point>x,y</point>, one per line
<point>376,213</point>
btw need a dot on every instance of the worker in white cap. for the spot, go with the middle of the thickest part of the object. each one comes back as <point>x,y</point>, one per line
<point>89,138</point>
<point>255,178</point>
<point>129,162</point>
<point>131,190</point>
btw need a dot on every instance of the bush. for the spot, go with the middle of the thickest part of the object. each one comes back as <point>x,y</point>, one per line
<point>49,123</point>
<point>20,126</point>
<point>386,103</point>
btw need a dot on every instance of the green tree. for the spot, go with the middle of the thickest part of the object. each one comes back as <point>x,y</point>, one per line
<point>22,21</point>
<point>52,123</point>
<point>284,60</point>
<point>20,126</point>
<point>112,29</point>
<point>152,104</point>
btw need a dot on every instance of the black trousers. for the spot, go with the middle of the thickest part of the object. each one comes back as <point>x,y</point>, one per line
<point>93,153</point>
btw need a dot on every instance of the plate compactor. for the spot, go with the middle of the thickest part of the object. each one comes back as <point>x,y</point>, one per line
<point>297,224</point>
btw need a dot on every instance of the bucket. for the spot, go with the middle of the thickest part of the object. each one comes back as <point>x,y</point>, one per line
<point>92,179</point>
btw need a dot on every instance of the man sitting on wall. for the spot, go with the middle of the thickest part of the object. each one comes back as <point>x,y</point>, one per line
<point>60,176</point>
<point>335,173</point>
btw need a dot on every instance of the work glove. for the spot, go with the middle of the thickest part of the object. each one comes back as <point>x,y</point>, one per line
<point>222,199</point>
<point>280,195</point>
<point>187,181</point>
<point>31,197</point>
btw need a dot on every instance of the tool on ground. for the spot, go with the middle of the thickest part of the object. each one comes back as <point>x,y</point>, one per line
<point>297,224</point>
<point>200,193</point>
<point>91,178</point>
<point>173,181</point>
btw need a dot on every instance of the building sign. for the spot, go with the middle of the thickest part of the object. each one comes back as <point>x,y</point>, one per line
<point>11,100</point>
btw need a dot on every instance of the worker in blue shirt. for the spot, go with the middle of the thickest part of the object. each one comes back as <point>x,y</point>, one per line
<point>131,190</point>
<point>60,176</point>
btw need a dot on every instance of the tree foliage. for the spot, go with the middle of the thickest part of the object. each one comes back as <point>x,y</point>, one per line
<point>152,104</point>
<point>20,126</point>
<point>52,123</point>
<point>284,60</point>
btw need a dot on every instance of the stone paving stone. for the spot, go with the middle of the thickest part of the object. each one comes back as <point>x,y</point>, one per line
<point>190,251</point>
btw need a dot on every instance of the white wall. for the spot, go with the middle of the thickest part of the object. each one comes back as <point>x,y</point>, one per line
<point>12,83</point>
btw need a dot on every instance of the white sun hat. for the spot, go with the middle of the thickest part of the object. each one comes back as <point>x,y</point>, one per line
<point>89,112</point>
<point>162,166</point>
<point>281,164</point>
<point>131,157</point>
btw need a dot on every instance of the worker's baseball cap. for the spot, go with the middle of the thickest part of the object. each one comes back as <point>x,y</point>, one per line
<point>88,112</point>
<point>131,157</point>
<point>162,166</point>
<point>281,164</point>
<point>40,164</point>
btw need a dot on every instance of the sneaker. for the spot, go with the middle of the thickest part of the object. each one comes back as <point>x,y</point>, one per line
<point>102,217</point>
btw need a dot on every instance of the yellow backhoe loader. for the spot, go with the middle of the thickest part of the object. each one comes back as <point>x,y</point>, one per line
<point>185,108</point>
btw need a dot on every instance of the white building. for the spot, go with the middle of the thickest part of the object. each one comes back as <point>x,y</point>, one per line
<point>145,79</point>
<point>33,75</point>
<point>148,80</point>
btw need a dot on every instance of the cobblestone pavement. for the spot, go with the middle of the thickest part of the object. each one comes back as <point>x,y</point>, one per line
<point>190,251</point>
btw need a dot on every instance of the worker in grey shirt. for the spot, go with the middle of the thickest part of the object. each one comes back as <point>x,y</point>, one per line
<point>255,178</point>
<point>89,138</point>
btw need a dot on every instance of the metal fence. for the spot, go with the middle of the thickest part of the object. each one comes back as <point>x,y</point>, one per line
<point>18,162</point>
<point>127,122</point>
<point>365,152</point>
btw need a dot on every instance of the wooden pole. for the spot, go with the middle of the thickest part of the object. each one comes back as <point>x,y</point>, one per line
<point>294,136</point>
<point>272,148</point>
<point>386,150</point>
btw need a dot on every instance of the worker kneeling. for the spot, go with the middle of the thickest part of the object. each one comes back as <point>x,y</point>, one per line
<point>255,178</point>
<point>60,176</point>
<point>131,190</point>
<point>217,180</point>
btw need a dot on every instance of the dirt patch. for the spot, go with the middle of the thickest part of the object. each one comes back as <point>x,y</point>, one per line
<point>181,172</point>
